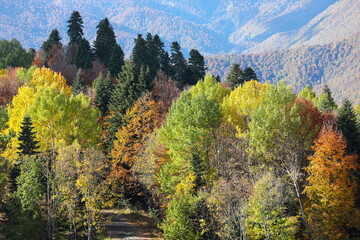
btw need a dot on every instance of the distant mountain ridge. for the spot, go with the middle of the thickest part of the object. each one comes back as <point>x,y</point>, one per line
<point>336,64</point>
<point>213,27</point>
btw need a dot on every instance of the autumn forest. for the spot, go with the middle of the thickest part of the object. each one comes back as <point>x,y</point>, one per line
<point>83,128</point>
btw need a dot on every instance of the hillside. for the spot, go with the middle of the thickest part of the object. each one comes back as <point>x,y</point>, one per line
<point>215,27</point>
<point>336,64</point>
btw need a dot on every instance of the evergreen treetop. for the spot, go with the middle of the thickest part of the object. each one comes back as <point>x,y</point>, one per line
<point>78,83</point>
<point>28,144</point>
<point>105,41</point>
<point>75,28</point>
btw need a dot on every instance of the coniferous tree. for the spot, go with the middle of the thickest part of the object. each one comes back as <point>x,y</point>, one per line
<point>144,79</point>
<point>83,55</point>
<point>78,83</point>
<point>140,53</point>
<point>105,41</point>
<point>349,126</point>
<point>158,49</point>
<point>178,64</point>
<point>104,90</point>
<point>327,102</point>
<point>165,64</point>
<point>28,144</point>
<point>249,74</point>
<point>53,42</point>
<point>116,60</point>
<point>126,92</point>
<point>75,28</point>
<point>197,67</point>
<point>235,76</point>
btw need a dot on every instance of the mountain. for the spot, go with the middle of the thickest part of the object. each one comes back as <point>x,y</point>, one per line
<point>213,27</point>
<point>336,64</point>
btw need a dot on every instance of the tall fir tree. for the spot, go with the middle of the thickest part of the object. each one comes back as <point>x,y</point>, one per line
<point>126,92</point>
<point>327,102</point>
<point>139,54</point>
<point>83,55</point>
<point>196,67</point>
<point>249,74</point>
<point>178,64</point>
<point>75,28</point>
<point>235,76</point>
<point>104,90</point>
<point>116,60</point>
<point>51,44</point>
<point>78,85</point>
<point>165,64</point>
<point>28,145</point>
<point>105,41</point>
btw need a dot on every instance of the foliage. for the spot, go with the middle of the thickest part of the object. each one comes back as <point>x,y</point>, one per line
<point>78,83</point>
<point>28,144</point>
<point>75,28</point>
<point>331,187</point>
<point>105,41</point>
<point>241,103</point>
<point>12,54</point>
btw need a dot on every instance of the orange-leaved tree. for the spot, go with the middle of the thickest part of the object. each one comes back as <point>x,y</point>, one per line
<point>143,118</point>
<point>331,187</point>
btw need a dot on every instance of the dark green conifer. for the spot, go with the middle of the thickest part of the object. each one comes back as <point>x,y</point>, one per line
<point>165,65</point>
<point>116,60</point>
<point>84,55</point>
<point>104,90</point>
<point>178,64</point>
<point>28,145</point>
<point>139,54</point>
<point>75,28</point>
<point>249,74</point>
<point>104,42</point>
<point>126,92</point>
<point>196,67</point>
<point>349,126</point>
<point>235,76</point>
<point>327,102</point>
<point>51,44</point>
<point>78,83</point>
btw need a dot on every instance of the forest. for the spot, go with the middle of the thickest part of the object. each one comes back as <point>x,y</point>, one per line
<point>83,129</point>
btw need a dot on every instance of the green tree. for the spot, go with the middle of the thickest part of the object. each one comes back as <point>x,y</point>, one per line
<point>249,74</point>
<point>126,92</point>
<point>116,60</point>
<point>235,76</point>
<point>104,90</point>
<point>75,28</point>
<point>178,63</point>
<point>28,144</point>
<point>105,41</point>
<point>140,54</point>
<point>83,55</point>
<point>326,101</point>
<point>12,54</point>
<point>78,83</point>
<point>51,44</point>
<point>349,126</point>
<point>196,66</point>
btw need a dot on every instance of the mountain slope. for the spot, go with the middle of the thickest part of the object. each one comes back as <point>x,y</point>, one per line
<point>336,64</point>
<point>213,27</point>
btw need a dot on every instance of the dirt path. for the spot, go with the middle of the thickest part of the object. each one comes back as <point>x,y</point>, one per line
<point>122,227</point>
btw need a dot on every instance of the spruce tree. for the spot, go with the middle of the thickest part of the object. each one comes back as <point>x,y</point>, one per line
<point>196,66</point>
<point>249,74</point>
<point>116,60</point>
<point>349,126</point>
<point>165,65</point>
<point>104,42</point>
<point>327,102</point>
<point>178,64</point>
<point>104,90</point>
<point>75,28</point>
<point>78,83</point>
<point>83,55</point>
<point>139,54</point>
<point>235,76</point>
<point>126,92</point>
<point>28,145</point>
<point>52,42</point>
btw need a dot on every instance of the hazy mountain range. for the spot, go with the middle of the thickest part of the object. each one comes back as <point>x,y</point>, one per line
<point>211,26</point>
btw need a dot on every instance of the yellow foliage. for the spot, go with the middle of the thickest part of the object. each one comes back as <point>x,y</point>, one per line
<point>238,106</point>
<point>187,185</point>
<point>45,77</point>
<point>21,103</point>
